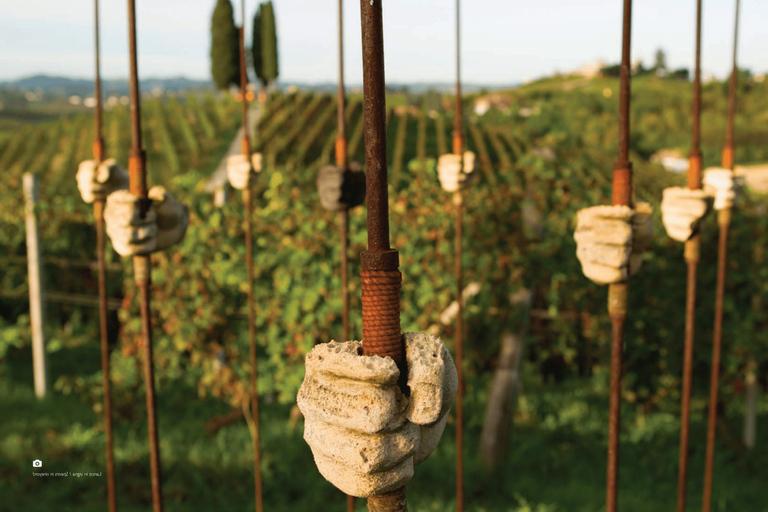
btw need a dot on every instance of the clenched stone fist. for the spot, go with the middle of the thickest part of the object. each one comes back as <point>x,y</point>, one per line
<point>97,181</point>
<point>341,189</point>
<point>241,172</point>
<point>365,434</point>
<point>682,210</point>
<point>723,185</point>
<point>164,223</point>
<point>611,240</point>
<point>450,171</point>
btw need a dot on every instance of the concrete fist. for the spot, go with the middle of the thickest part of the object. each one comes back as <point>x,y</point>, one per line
<point>611,240</point>
<point>365,435</point>
<point>164,222</point>
<point>97,181</point>
<point>682,210</point>
<point>723,185</point>
<point>241,172</point>
<point>341,189</point>
<point>451,172</point>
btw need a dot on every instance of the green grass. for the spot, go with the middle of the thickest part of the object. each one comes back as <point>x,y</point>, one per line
<point>556,454</point>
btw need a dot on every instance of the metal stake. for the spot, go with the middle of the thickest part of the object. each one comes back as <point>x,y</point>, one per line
<point>343,215</point>
<point>142,264</point>
<point>458,149</point>
<point>692,256</point>
<point>380,277</point>
<point>723,221</point>
<point>98,213</point>
<point>617,293</point>
<point>248,203</point>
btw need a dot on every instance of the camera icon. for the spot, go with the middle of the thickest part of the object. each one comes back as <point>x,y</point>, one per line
<point>37,463</point>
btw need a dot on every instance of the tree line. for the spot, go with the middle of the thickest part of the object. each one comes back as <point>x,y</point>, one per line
<point>225,54</point>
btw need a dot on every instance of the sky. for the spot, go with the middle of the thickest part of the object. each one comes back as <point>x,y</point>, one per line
<point>503,41</point>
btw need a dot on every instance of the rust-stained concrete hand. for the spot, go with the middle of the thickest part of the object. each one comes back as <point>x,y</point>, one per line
<point>723,185</point>
<point>340,188</point>
<point>682,211</point>
<point>97,181</point>
<point>241,172</point>
<point>365,434</point>
<point>164,223</point>
<point>450,171</point>
<point>611,240</point>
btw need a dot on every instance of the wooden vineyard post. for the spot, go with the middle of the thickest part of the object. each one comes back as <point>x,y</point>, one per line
<point>35,271</point>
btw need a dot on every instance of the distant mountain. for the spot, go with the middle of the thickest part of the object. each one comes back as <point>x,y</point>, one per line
<point>416,87</point>
<point>64,86</point>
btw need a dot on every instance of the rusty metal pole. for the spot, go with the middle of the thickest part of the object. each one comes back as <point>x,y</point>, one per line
<point>343,215</point>
<point>142,264</point>
<point>98,213</point>
<point>379,274</point>
<point>458,201</point>
<point>248,204</point>
<point>692,256</point>
<point>723,221</point>
<point>617,293</point>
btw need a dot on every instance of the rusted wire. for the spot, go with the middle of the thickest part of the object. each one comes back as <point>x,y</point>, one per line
<point>141,264</point>
<point>248,207</point>
<point>723,221</point>
<point>98,213</point>
<point>617,293</point>
<point>692,252</point>
<point>379,273</point>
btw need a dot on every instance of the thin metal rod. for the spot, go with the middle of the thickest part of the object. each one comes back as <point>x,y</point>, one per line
<point>617,293</point>
<point>624,86</point>
<point>614,421</point>
<point>692,252</point>
<point>341,137</point>
<point>344,232</point>
<point>341,161</point>
<point>98,143</point>
<point>248,206</point>
<point>458,148</point>
<point>247,199</point>
<point>728,151</point>
<point>690,310</point>
<point>136,143</point>
<point>723,221</point>
<point>458,126</point>
<point>458,201</point>
<point>379,264</point>
<point>696,128</point>
<point>374,117</point>
<point>142,264</point>
<point>98,213</point>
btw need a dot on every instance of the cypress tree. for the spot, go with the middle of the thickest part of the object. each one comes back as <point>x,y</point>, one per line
<point>268,44</point>
<point>256,60</point>
<point>225,52</point>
